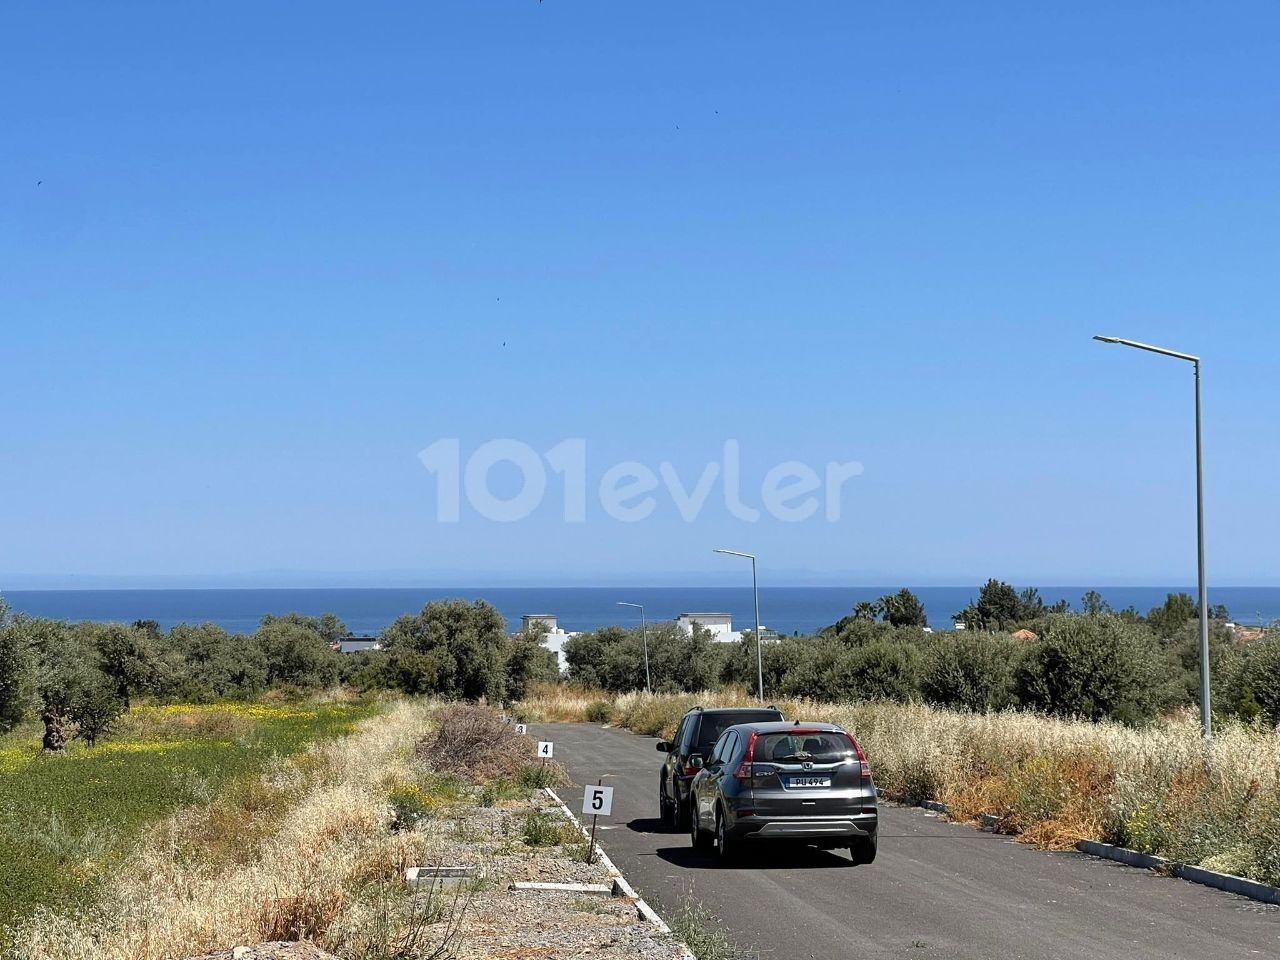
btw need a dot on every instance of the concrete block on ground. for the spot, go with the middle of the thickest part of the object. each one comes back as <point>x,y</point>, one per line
<point>440,876</point>
<point>586,889</point>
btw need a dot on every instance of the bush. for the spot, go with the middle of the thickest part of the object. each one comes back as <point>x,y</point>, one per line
<point>971,670</point>
<point>454,649</point>
<point>1095,667</point>
<point>409,806</point>
<point>474,743</point>
<point>598,711</point>
<point>542,829</point>
<point>880,670</point>
<point>1260,674</point>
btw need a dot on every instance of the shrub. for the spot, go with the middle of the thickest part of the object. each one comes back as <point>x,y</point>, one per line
<point>598,711</point>
<point>409,806</point>
<point>473,742</point>
<point>452,648</point>
<point>972,670</point>
<point>1094,667</point>
<point>879,670</point>
<point>537,776</point>
<point>542,829</point>
<point>1260,673</point>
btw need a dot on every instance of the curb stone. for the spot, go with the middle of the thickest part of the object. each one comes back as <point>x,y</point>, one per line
<point>620,885</point>
<point>1253,889</point>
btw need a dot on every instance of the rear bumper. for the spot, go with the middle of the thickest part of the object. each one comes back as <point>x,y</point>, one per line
<point>804,828</point>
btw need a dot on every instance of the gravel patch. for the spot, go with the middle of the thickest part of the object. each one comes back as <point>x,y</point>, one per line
<point>503,923</point>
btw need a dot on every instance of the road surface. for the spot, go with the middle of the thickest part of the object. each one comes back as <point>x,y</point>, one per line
<point>936,890</point>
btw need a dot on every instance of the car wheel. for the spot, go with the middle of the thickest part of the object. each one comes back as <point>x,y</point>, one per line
<point>726,843</point>
<point>680,812</point>
<point>697,836</point>
<point>863,850</point>
<point>665,813</point>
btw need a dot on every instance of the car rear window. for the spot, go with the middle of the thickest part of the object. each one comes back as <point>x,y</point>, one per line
<point>819,747</point>
<point>717,723</point>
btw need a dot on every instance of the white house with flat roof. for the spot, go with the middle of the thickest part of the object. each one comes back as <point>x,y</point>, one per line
<point>553,637</point>
<point>719,624</point>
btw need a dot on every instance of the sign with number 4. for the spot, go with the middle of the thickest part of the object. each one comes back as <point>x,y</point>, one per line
<point>597,801</point>
<point>546,749</point>
<point>521,729</point>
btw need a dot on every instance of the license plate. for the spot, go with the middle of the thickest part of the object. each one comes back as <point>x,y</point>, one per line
<point>809,782</point>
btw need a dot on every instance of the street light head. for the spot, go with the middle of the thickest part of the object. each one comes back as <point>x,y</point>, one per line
<point>733,553</point>
<point>1107,339</point>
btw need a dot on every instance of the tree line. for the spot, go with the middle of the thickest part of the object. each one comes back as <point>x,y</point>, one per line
<point>1098,663</point>
<point>79,678</point>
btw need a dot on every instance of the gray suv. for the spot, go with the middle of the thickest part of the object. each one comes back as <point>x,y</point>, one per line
<point>697,733</point>
<point>806,782</point>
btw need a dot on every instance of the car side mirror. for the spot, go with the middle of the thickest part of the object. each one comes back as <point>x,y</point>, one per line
<point>663,746</point>
<point>696,762</point>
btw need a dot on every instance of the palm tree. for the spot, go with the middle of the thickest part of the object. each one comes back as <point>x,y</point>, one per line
<point>866,610</point>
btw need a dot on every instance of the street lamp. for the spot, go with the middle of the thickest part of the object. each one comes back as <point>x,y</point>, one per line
<point>1206,720</point>
<point>755,590</point>
<point>644,631</point>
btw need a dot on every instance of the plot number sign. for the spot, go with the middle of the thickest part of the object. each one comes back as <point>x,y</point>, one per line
<point>546,749</point>
<point>597,801</point>
<point>521,729</point>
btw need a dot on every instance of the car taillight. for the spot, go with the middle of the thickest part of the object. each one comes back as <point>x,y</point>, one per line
<point>744,771</point>
<point>864,768</point>
<point>690,771</point>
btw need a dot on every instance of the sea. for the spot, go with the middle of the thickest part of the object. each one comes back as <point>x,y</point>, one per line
<point>802,610</point>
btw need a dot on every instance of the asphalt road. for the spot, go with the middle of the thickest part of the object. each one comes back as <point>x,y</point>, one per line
<point>936,890</point>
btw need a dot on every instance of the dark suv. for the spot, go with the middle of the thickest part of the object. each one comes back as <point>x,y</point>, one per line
<point>807,782</point>
<point>697,733</point>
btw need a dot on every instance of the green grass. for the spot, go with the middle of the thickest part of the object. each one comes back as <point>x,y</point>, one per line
<point>64,820</point>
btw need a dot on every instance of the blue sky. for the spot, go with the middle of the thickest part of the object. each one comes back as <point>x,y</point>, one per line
<point>254,258</point>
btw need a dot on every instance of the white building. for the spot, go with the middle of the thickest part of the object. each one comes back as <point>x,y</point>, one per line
<point>720,625</point>
<point>553,637</point>
<point>356,644</point>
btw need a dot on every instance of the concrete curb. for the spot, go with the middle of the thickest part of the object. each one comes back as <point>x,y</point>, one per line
<point>1133,858</point>
<point>620,885</point>
<point>1241,886</point>
<point>1252,889</point>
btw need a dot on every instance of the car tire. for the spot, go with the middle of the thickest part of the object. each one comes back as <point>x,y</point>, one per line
<point>863,850</point>
<point>680,812</point>
<point>666,813</point>
<point>698,838</point>
<point>726,843</point>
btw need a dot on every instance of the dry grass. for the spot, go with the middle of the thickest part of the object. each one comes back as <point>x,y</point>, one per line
<point>475,743</point>
<point>1053,782</point>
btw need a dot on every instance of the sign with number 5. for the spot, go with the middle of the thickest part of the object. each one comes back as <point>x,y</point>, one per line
<point>546,749</point>
<point>597,801</point>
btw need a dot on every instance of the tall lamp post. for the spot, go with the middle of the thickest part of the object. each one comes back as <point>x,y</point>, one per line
<point>755,591</point>
<point>644,632</point>
<point>1206,719</point>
